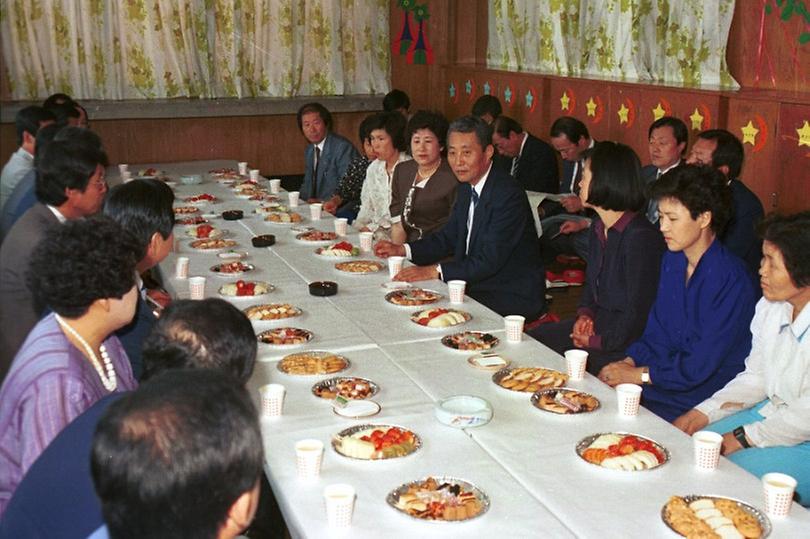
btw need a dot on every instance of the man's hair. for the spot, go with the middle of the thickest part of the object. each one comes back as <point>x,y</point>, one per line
<point>364,131</point>
<point>206,334</point>
<point>45,136</point>
<point>504,125</point>
<point>679,130</point>
<point>56,99</point>
<point>28,120</point>
<point>472,124</point>
<point>487,104</point>
<point>392,123</point>
<point>434,121</point>
<point>569,126</point>
<point>700,189</point>
<point>64,112</point>
<point>729,151</point>
<point>395,100</point>
<point>67,164</point>
<point>615,177</point>
<point>81,261</point>
<point>322,111</point>
<point>791,235</point>
<point>171,458</point>
<point>143,207</point>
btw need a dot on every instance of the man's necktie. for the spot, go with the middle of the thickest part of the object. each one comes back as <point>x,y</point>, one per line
<point>577,179</point>
<point>471,214</point>
<point>315,172</point>
<point>515,165</point>
<point>652,206</point>
<point>474,198</point>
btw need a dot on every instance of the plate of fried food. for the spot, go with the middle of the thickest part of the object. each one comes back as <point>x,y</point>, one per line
<point>564,401</point>
<point>375,442</point>
<point>316,236</point>
<point>439,317</point>
<point>212,244</point>
<point>312,362</point>
<point>411,297</point>
<point>232,269</point>
<point>470,341</point>
<point>245,289</point>
<point>283,218</point>
<point>696,516</point>
<point>348,387</point>
<point>359,266</point>
<point>529,379</point>
<point>622,451</point>
<point>150,173</point>
<point>185,210</point>
<point>201,199</point>
<point>191,221</point>
<point>271,311</point>
<point>286,336</point>
<point>224,174</point>
<point>437,498</point>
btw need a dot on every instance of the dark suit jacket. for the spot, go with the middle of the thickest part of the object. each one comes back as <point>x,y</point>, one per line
<point>335,158</point>
<point>740,236</point>
<point>537,167</point>
<point>649,173</point>
<point>19,311</point>
<point>133,334</point>
<point>503,268</point>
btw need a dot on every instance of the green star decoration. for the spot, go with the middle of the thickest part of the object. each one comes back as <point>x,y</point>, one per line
<point>468,87</point>
<point>529,100</point>
<point>507,95</point>
<point>452,90</point>
<point>487,88</point>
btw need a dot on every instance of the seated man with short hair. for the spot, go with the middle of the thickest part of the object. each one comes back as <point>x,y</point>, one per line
<point>528,159</point>
<point>27,123</point>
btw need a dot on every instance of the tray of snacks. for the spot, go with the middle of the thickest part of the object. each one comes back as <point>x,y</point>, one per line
<point>529,379</point>
<point>191,221</point>
<point>470,341</point>
<point>439,317</point>
<point>342,249</point>
<point>714,516</point>
<point>316,236</point>
<point>263,196</point>
<point>312,362</point>
<point>375,442</point>
<point>348,387</point>
<point>359,266</point>
<point>212,244</point>
<point>490,361</point>
<point>232,269</point>
<point>412,297</point>
<point>202,198</point>
<point>283,218</point>
<point>273,207</point>
<point>185,210</point>
<point>271,311</point>
<point>205,231</point>
<point>224,174</point>
<point>243,289</point>
<point>563,400</point>
<point>622,451</point>
<point>150,173</point>
<point>442,499</point>
<point>285,337</point>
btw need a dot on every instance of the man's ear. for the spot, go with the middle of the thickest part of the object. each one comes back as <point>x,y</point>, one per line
<point>241,513</point>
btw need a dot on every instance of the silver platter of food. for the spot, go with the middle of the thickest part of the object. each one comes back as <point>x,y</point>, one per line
<point>695,515</point>
<point>460,500</point>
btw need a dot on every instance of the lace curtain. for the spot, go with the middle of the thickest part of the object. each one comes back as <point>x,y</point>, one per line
<point>679,42</point>
<point>129,49</point>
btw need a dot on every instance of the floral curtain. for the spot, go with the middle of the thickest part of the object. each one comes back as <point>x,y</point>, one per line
<point>680,42</point>
<point>127,49</point>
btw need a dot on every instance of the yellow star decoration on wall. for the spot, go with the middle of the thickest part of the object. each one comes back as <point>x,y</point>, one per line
<point>697,120</point>
<point>804,134</point>
<point>658,111</point>
<point>591,106</point>
<point>564,100</point>
<point>622,112</point>
<point>749,133</point>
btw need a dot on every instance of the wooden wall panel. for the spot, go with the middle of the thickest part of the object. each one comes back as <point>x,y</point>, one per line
<point>793,141</point>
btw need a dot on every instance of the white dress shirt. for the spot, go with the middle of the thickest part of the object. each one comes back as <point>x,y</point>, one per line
<point>20,163</point>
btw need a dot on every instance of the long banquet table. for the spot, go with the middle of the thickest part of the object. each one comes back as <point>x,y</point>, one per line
<point>524,459</point>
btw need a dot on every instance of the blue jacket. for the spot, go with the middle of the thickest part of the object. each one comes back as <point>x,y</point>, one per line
<point>740,236</point>
<point>336,156</point>
<point>133,334</point>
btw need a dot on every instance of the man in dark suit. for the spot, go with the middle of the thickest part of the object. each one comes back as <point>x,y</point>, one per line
<point>327,156</point>
<point>490,235</point>
<point>667,137</point>
<point>528,159</point>
<point>723,151</point>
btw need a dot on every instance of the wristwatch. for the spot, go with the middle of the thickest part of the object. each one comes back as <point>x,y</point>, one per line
<point>739,433</point>
<point>645,375</point>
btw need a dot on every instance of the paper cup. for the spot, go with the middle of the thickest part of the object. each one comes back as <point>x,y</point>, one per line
<point>341,226</point>
<point>707,449</point>
<point>293,198</point>
<point>126,176</point>
<point>315,211</point>
<point>275,186</point>
<point>339,500</point>
<point>254,174</point>
<point>181,268</point>
<point>456,290</point>
<point>395,265</point>
<point>308,457</point>
<point>779,489</point>
<point>196,287</point>
<point>629,398</point>
<point>366,241</point>
<point>514,327</point>
<point>243,170</point>
<point>123,168</point>
<point>272,399</point>
<point>575,361</point>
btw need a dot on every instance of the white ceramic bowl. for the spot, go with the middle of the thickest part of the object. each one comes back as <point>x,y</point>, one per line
<point>463,411</point>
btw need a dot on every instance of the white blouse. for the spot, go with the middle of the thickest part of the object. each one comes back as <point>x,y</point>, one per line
<point>375,198</point>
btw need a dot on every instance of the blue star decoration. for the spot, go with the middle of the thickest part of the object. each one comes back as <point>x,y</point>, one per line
<point>468,87</point>
<point>452,90</point>
<point>529,99</point>
<point>487,88</point>
<point>507,94</point>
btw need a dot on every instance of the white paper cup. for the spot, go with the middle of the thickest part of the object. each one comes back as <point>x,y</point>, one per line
<point>514,327</point>
<point>293,198</point>
<point>315,211</point>
<point>395,265</point>
<point>341,226</point>
<point>272,399</point>
<point>707,449</point>
<point>123,168</point>
<point>779,489</point>
<point>456,289</point>
<point>339,500</point>
<point>308,457</point>
<point>181,267</point>
<point>196,287</point>
<point>366,241</point>
<point>629,398</point>
<point>254,174</point>
<point>275,186</point>
<point>243,170</point>
<point>126,176</point>
<point>575,362</point>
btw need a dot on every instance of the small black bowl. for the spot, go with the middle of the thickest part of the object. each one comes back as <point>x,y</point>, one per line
<point>233,215</point>
<point>265,240</point>
<point>323,288</point>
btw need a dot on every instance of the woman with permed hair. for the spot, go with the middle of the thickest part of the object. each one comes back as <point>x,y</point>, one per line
<point>697,337</point>
<point>764,413</point>
<point>84,271</point>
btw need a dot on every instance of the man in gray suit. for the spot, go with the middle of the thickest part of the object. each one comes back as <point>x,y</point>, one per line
<point>70,184</point>
<point>328,155</point>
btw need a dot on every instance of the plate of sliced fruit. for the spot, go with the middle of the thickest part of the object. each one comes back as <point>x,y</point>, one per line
<point>376,442</point>
<point>622,451</point>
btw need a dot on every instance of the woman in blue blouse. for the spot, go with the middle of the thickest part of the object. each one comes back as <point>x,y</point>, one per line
<point>697,335</point>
